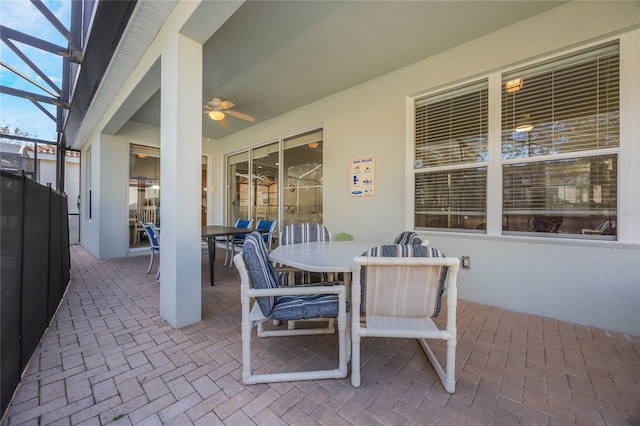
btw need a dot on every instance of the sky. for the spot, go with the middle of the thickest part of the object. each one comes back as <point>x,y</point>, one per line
<point>22,15</point>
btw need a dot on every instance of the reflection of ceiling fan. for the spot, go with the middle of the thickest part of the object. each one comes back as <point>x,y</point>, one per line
<point>218,109</point>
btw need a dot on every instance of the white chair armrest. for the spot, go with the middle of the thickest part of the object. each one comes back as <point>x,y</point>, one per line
<point>296,290</point>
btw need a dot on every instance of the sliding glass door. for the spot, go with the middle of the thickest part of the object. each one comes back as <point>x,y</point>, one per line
<point>237,187</point>
<point>280,180</point>
<point>303,169</point>
<point>265,170</point>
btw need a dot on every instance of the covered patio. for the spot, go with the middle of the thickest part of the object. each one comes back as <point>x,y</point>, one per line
<point>108,357</point>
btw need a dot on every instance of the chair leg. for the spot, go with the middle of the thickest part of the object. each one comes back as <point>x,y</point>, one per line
<point>158,273</point>
<point>448,379</point>
<point>151,261</point>
<point>355,361</point>
<point>226,254</point>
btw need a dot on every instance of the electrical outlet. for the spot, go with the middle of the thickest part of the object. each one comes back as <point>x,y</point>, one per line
<point>466,262</point>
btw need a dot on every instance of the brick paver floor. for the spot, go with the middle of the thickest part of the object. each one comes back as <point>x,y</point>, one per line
<point>108,358</point>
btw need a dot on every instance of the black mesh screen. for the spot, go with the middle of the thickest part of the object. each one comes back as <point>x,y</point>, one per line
<point>34,271</point>
<point>10,282</point>
<point>35,249</point>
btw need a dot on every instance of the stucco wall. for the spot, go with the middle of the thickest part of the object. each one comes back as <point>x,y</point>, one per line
<point>593,283</point>
<point>105,235</point>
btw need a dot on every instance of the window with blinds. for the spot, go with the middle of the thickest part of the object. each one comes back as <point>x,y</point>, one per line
<point>451,141</point>
<point>560,139</point>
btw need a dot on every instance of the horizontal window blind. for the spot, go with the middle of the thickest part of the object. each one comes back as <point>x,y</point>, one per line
<point>451,199</point>
<point>576,193</point>
<point>572,105</point>
<point>451,128</point>
<point>578,183</point>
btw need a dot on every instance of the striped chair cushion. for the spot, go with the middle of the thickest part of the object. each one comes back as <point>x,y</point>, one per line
<point>260,270</point>
<point>305,307</point>
<point>408,237</point>
<point>406,250</point>
<point>297,233</point>
<point>303,232</point>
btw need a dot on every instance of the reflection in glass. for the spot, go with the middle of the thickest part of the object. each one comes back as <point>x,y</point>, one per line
<point>144,192</point>
<point>569,196</point>
<point>303,173</point>
<point>238,189</point>
<point>264,198</point>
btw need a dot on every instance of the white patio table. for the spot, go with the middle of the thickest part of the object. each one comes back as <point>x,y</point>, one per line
<point>324,256</point>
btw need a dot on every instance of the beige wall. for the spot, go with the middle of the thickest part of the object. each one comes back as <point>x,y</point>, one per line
<point>591,283</point>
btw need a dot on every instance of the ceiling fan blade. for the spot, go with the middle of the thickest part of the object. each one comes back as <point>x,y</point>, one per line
<point>224,123</point>
<point>226,104</point>
<point>240,115</point>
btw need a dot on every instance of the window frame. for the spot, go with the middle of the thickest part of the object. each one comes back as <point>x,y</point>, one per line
<point>294,139</point>
<point>450,93</point>
<point>628,226</point>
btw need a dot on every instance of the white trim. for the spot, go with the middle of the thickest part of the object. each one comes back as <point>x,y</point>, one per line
<point>494,168</point>
<point>409,187</point>
<point>628,153</point>
<point>629,158</point>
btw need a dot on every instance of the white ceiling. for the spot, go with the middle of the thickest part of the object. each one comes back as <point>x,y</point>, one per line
<point>271,57</point>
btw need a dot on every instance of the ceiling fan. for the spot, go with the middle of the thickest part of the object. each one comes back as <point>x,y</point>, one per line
<point>218,110</point>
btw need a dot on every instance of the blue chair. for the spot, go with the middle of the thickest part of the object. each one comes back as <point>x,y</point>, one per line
<point>258,281</point>
<point>153,234</point>
<point>263,225</point>
<point>230,241</point>
<point>269,226</point>
<point>242,223</point>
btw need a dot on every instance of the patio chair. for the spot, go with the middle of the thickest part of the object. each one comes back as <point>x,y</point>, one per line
<point>296,233</point>
<point>229,241</point>
<point>153,234</point>
<point>606,226</point>
<point>343,236</point>
<point>264,225</point>
<point>258,280</point>
<point>407,237</point>
<point>400,288</point>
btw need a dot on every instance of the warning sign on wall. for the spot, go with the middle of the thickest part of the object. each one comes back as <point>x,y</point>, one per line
<point>363,177</point>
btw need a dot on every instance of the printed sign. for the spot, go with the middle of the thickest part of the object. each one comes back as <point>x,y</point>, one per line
<point>363,177</point>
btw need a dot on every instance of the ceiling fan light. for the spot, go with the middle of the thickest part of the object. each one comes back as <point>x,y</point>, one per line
<point>216,115</point>
<point>524,123</point>
<point>524,128</point>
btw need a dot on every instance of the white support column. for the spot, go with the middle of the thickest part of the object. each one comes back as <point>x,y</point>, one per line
<point>181,149</point>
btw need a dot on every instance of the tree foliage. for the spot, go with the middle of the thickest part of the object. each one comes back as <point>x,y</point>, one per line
<point>7,129</point>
